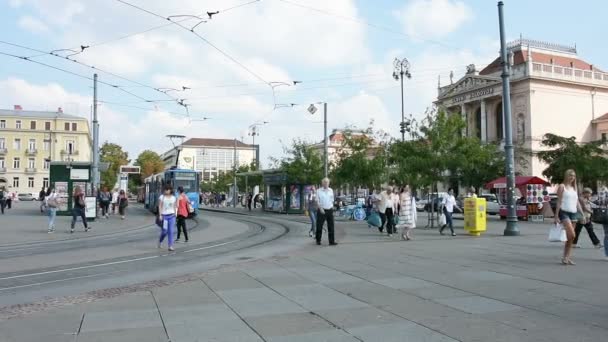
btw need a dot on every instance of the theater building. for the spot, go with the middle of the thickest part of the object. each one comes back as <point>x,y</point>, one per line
<point>553,90</point>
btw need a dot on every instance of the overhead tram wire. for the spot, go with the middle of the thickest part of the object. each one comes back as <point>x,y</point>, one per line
<point>225,54</point>
<point>27,59</point>
<point>88,66</point>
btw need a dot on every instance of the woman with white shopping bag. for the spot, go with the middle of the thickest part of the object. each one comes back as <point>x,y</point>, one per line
<point>567,208</point>
<point>407,213</point>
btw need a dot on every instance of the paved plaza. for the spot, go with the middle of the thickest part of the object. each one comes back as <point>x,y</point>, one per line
<point>369,288</point>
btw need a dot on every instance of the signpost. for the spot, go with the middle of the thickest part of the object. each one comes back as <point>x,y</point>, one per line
<point>125,171</point>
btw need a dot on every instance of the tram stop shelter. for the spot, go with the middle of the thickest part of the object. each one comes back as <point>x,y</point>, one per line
<point>281,195</point>
<point>65,177</point>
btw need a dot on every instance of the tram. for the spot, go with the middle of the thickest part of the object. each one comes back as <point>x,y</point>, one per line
<point>188,179</point>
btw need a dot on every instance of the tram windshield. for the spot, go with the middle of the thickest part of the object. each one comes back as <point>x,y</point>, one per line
<point>185,180</point>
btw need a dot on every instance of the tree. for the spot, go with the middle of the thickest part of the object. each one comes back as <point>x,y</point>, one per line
<point>150,163</point>
<point>434,150</point>
<point>480,163</point>
<point>587,159</point>
<point>362,159</point>
<point>301,163</point>
<point>114,155</point>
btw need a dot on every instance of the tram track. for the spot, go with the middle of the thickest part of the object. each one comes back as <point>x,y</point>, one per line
<point>258,233</point>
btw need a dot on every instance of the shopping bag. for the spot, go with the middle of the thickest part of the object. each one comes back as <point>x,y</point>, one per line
<point>374,220</point>
<point>557,234</point>
<point>396,220</point>
<point>442,220</point>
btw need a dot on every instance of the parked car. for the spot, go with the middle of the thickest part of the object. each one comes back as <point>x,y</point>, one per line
<point>435,205</point>
<point>421,204</point>
<point>25,197</point>
<point>492,205</point>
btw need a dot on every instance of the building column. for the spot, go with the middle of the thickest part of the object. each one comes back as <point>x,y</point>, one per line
<point>463,113</point>
<point>484,121</point>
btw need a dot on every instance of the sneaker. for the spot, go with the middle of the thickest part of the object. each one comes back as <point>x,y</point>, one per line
<point>310,234</point>
<point>177,241</point>
<point>599,245</point>
<point>171,249</point>
<point>72,231</point>
<point>158,245</point>
<point>49,231</point>
<point>390,235</point>
<point>576,246</point>
<point>333,244</point>
<point>453,234</point>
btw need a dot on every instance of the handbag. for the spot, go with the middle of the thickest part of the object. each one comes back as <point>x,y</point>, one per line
<point>557,234</point>
<point>52,202</point>
<point>159,222</point>
<point>442,220</point>
<point>600,215</point>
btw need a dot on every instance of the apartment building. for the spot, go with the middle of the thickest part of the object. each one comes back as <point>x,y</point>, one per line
<point>30,140</point>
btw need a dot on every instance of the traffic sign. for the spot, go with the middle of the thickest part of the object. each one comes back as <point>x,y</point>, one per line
<point>312,109</point>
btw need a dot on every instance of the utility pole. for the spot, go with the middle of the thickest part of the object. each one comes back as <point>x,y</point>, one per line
<point>511,229</point>
<point>95,168</point>
<point>235,193</point>
<point>402,70</point>
<point>325,173</point>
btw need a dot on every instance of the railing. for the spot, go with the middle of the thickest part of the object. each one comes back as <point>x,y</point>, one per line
<point>2,170</point>
<point>3,150</point>
<point>73,153</point>
<point>569,74</point>
<point>30,170</point>
<point>31,151</point>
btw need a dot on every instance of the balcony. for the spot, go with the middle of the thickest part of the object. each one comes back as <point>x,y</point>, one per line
<point>2,170</point>
<point>570,74</point>
<point>31,151</point>
<point>66,153</point>
<point>3,151</point>
<point>30,170</point>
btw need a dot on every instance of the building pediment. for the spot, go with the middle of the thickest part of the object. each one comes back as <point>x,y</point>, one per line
<point>468,84</point>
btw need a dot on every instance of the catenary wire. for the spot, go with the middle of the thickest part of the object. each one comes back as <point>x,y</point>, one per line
<point>225,54</point>
<point>24,58</point>
<point>91,67</point>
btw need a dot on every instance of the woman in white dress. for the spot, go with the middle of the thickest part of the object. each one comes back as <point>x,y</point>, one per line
<point>407,213</point>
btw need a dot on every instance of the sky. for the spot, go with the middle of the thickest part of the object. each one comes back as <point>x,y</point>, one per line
<point>241,64</point>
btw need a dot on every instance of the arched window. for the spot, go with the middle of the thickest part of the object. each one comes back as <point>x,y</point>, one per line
<point>499,123</point>
<point>478,123</point>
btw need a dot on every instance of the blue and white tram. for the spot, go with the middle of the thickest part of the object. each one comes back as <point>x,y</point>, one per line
<point>188,179</point>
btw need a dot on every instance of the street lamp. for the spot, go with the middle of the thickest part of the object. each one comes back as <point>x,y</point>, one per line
<point>253,132</point>
<point>312,109</point>
<point>402,70</point>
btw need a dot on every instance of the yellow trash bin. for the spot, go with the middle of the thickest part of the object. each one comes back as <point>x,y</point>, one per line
<point>475,215</point>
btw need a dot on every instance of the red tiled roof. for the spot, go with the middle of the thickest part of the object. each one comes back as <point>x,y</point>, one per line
<point>521,56</point>
<point>214,142</point>
<point>602,118</point>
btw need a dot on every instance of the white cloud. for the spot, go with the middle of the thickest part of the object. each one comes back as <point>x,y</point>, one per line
<point>32,24</point>
<point>433,18</point>
<point>57,12</point>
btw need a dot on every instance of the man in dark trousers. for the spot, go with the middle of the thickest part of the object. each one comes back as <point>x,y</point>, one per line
<point>41,197</point>
<point>325,198</point>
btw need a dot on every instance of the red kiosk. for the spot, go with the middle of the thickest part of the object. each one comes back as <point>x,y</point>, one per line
<point>533,196</point>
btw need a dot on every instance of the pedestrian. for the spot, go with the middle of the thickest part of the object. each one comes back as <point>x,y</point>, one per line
<point>407,212</point>
<point>585,202</point>
<point>3,199</point>
<point>123,203</point>
<point>105,197</point>
<point>167,209</point>
<point>567,207</point>
<point>78,209</point>
<point>380,201</point>
<point>41,196</point>
<point>603,202</point>
<point>312,206</point>
<point>390,209</point>
<point>448,204</point>
<point>114,200</point>
<point>249,200</point>
<point>325,212</point>
<point>183,204</point>
<point>9,199</point>
<point>52,203</point>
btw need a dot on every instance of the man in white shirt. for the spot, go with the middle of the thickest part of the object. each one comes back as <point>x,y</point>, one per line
<point>448,204</point>
<point>325,199</point>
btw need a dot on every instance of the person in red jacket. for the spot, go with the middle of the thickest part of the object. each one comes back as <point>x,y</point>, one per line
<point>182,214</point>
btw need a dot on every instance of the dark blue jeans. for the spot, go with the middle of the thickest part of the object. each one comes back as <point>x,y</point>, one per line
<point>448,220</point>
<point>78,212</point>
